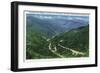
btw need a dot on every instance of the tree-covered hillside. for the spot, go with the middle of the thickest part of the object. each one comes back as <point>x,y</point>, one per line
<point>76,39</point>
<point>73,43</point>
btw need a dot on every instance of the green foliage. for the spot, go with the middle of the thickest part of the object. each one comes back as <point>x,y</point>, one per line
<point>37,46</point>
<point>77,39</point>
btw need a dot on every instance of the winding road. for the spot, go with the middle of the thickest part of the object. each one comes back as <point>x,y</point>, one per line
<point>53,50</point>
<point>74,52</point>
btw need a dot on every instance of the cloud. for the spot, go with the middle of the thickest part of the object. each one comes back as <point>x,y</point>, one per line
<point>82,18</point>
<point>43,16</point>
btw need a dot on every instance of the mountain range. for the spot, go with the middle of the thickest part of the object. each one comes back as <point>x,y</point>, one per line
<point>54,25</point>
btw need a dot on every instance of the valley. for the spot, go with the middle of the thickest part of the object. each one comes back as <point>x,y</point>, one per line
<point>47,39</point>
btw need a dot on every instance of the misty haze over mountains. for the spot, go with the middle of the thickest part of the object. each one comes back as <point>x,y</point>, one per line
<point>55,24</point>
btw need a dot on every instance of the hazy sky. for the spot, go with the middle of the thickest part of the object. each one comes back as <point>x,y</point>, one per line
<point>68,17</point>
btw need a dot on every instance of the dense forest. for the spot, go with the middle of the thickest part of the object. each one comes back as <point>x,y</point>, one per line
<point>76,39</point>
